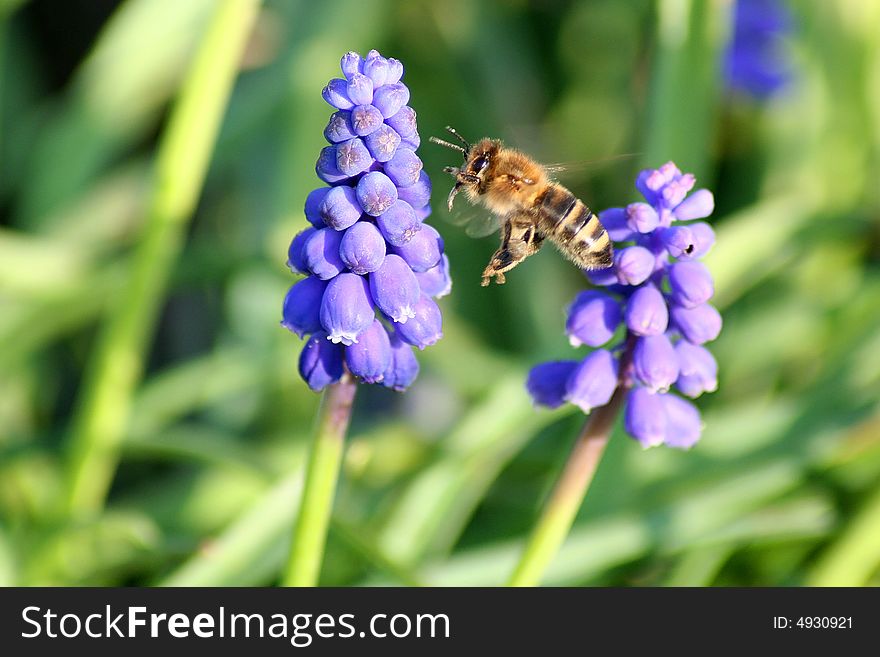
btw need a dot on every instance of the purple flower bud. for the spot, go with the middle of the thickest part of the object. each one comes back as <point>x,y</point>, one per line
<point>362,248</point>
<point>295,251</point>
<point>376,193</point>
<point>698,205</point>
<point>655,362</point>
<point>390,98</point>
<point>704,238</point>
<point>360,90</point>
<point>339,127</point>
<point>423,212</point>
<point>683,424</point>
<point>422,251</point>
<point>370,356</point>
<point>365,119</point>
<point>425,328</point>
<point>698,325</point>
<point>376,68</point>
<point>320,362</point>
<point>351,63</point>
<point>641,217</point>
<point>412,142</point>
<point>352,157</point>
<point>593,381</point>
<point>592,319</point>
<point>394,289</point>
<point>336,93</point>
<point>383,143</point>
<point>313,206</point>
<point>326,167</point>
<point>395,71</point>
<point>615,222</point>
<point>404,122</point>
<point>602,277</point>
<point>646,181</point>
<point>404,168</point>
<point>321,253</point>
<point>339,208</point>
<point>418,194</point>
<point>403,368</point>
<point>675,191</point>
<point>399,223</point>
<point>678,240</point>
<point>645,417</point>
<point>646,312</point>
<point>302,304</point>
<point>546,382</point>
<point>633,265</point>
<point>346,308</point>
<point>698,369</point>
<point>691,283</point>
<point>436,282</point>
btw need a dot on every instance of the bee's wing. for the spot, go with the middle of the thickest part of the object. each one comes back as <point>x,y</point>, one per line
<point>482,225</point>
<point>587,165</point>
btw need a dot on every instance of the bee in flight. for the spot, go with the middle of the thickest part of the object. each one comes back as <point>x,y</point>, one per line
<point>529,206</point>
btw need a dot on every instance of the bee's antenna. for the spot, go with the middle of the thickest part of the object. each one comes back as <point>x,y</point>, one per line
<point>452,131</point>
<point>448,145</point>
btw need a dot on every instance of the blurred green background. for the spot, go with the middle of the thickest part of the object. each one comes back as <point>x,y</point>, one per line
<point>439,485</point>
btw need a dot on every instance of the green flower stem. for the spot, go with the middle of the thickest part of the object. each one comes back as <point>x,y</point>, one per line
<point>322,472</point>
<point>568,495</point>
<point>182,163</point>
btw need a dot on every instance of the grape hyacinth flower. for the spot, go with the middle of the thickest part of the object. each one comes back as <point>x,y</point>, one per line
<point>656,296</point>
<point>754,61</point>
<point>373,266</point>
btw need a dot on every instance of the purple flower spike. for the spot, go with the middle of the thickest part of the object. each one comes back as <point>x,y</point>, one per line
<point>645,417</point>
<point>336,93</point>
<point>395,289</point>
<point>698,205</point>
<point>346,308</point>
<point>300,313</point>
<point>365,119</point>
<point>412,142</point>
<point>350,64</point>
<point>326,167</point>
<point>403,368</point>
<point>683,424</point>
<point>547,382</point>
<point>399,223</point>
<point>339,128</point>
<point>362,248</point>
<point>425,328</point>
<point>641,217</point>
<point>423,251</point>
<point>370,356</point>
<point>418,194</point>
<point>383,143</point>
<point>691,283</point>
<point>295,252</point>
<point>339,208</point>
<point>360,89</point>
<point>390,98</point>
<point>321,253</point>
<point>704,238</point>
<point>395,71</point>
<point>655,362</point>
<point>353,157</point>
<point>698,325</point>
<point>633,265</point>
<point>313,206</point>
<point>593,381</point>
<point>646,312</point>
<point>436,282</point>
<point>678,240</point>
<point>592,319</point>
<point>320,362</point>
<point>376,68</point>
<point>404,168</point>
<point>376,193</point>
<point>404,122</point>
<point>699,371</point>
<point>615,222</point>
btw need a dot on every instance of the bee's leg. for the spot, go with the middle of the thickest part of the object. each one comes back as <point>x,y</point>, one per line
<point>519,240</point>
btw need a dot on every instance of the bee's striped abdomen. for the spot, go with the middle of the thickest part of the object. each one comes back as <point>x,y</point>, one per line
<point>568,222</point>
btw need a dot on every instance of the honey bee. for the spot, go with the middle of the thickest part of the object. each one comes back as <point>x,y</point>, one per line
<point>529,206</point>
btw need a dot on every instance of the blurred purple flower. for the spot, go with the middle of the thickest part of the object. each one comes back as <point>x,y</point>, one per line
<point>755,61</point>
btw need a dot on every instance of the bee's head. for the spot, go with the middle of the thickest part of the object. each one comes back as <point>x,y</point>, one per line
<point>478,160</point>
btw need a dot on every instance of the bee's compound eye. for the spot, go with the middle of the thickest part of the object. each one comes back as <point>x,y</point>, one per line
<point>480,163</point>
